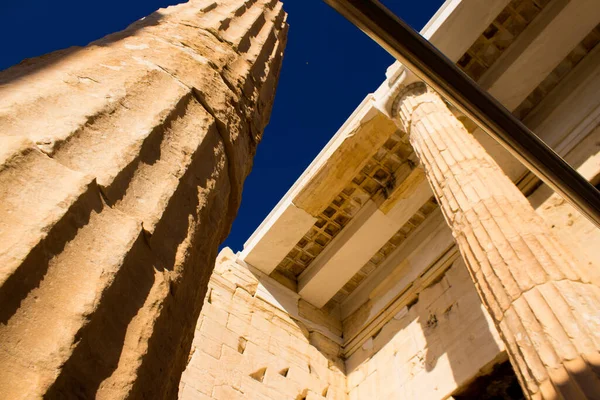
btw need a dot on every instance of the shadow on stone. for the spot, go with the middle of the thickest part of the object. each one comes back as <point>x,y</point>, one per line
<point>35,266</point>
<point>100,342</point>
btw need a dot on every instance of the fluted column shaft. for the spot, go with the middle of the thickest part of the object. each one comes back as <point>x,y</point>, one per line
<point>541,301</point>
<point>121,170</point>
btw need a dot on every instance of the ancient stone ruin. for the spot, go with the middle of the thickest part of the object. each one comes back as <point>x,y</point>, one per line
<point>413,259</point>
<point>122,165</point>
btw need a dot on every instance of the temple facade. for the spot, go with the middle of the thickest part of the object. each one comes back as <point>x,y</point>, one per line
<point>415,258</point>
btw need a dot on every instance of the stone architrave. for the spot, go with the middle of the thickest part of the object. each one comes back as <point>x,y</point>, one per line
<point>121,168</point>
<point>542,302</point>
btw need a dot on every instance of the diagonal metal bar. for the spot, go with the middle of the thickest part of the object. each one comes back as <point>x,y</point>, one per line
<point>430,65</point>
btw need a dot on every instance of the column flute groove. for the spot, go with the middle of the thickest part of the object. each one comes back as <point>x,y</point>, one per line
<point>543,304</point>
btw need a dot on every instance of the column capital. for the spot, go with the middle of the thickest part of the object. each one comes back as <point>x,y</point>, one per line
<point>398,77</point>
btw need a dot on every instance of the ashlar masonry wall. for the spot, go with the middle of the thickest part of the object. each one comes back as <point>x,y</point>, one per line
<point>256,339</point>
<point>577,233</point>
<point>439,342</point>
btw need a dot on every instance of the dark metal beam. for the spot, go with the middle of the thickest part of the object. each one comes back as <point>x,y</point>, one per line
<point>430,65</point>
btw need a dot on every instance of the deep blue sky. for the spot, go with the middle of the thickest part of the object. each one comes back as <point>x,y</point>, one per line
<point>329,67</point>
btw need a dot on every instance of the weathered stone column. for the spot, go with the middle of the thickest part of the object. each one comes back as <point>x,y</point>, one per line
<point>542,303</point>
<point>121,168</point>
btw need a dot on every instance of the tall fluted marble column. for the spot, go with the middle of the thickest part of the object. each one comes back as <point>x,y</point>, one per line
<point>541,301</point>
<point>121,170</point>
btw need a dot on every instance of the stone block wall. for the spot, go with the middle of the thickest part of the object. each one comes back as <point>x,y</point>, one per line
<point>577,233</point>
<point>255,339</point>
<point>440,341</point>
